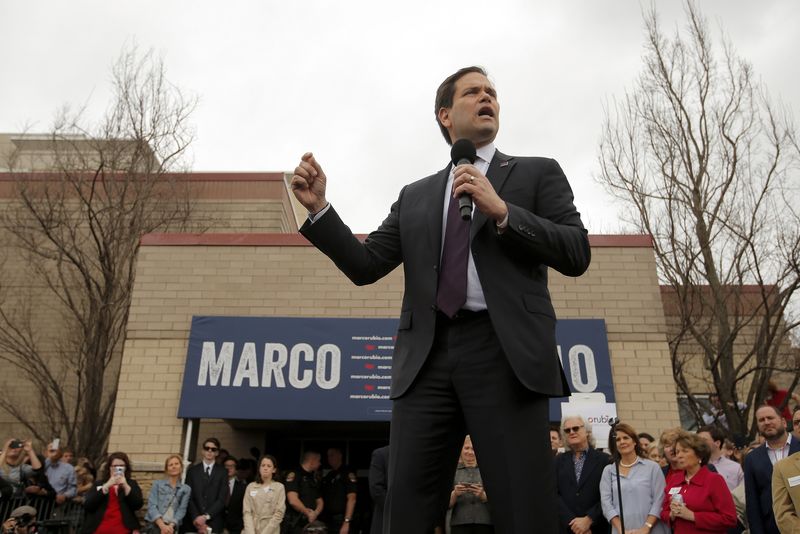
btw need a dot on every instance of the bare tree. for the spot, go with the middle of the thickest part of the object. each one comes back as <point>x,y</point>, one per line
<point>77,223</point>
<point>707,164</point>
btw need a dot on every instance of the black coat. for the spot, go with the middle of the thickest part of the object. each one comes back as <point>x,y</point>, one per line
<point>378,484</point>
<point>579,498</point>
<point>208,496</point>
<point>234,509</point>
<point>96,503</point>
<point>758,489</point>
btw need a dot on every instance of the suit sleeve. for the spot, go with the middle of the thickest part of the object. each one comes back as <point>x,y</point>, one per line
<point>552,232</point>
<point>363,263</point>
<point>195,496</point>
<point>565,514</point>
<point>752,498</point>
<point>596,511</point>
<point>377,478</point>
<point>724,514</point>
<point>785,513</point>
<point>217,505</point>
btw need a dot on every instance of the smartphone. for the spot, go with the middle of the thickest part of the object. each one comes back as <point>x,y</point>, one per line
<point>56,443</point>
<point>119,470</point>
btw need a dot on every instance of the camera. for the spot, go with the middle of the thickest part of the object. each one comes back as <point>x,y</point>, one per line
<point>15,444</point>
<point>119,470</point>
<point>25,520</point>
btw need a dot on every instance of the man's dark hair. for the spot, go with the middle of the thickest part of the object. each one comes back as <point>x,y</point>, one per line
<point>715,432</point>
<point>445,93</point>
<point>646,436</point>
<point>307,455</point>
<point>215,441</point>
<point>771,407</point>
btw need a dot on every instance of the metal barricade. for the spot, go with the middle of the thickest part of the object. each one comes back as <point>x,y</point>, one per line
<point>64,519</point>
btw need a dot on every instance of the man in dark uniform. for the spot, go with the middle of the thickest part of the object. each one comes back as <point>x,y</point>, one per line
<point>303,496</point>
<point>339,489</point>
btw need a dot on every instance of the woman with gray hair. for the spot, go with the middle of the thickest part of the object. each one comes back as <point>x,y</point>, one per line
<point>578,473</point>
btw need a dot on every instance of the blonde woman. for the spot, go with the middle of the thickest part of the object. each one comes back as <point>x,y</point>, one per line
<point>169,497</point>
<point>264,500</point>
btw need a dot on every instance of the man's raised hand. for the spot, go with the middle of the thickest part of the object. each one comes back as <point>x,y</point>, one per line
<point>308,183</point>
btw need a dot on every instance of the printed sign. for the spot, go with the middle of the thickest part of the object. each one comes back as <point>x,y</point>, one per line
<point>332,369</point>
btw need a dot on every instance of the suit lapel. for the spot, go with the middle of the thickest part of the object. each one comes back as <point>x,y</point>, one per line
<point>435,215</point>
<point>499,169</point>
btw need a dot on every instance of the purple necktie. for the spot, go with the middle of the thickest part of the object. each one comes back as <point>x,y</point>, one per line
<point>452,292</point>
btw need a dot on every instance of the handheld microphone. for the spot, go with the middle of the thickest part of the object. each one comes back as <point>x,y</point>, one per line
<point>462,153</point>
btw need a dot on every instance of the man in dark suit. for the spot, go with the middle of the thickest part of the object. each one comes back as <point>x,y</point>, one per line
<point>758,469</point>
<point>378,486</point>
<point>475,347</point>
<point>578,473</point>
<point>208,481</point>
<point>234,497</point>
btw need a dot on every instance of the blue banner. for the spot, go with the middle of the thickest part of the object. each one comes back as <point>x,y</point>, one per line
<point>321,369</point>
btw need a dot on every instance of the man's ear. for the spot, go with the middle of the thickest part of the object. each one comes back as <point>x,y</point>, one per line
<point>444,117</point>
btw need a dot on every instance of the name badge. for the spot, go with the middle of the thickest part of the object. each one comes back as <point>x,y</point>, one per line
<point>254,493</point>
<point>794,481</point>
<point>675,490</point>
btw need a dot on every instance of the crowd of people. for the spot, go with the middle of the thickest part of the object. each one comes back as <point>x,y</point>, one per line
<point>683,482</point>
<point>217,494</point>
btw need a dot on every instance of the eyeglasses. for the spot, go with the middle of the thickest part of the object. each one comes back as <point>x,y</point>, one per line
<point>210,449</point>
<point>572,429</point>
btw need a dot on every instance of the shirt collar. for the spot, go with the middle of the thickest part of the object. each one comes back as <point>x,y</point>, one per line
<point>787,444</point>
<point>206,466</point>
<point>486,153</point>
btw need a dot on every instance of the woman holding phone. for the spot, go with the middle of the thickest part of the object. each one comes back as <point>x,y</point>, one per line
<point>468,501</point>
<point>111,505</point>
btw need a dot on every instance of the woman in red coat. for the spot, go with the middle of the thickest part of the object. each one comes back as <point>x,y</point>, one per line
<point>699,502</point>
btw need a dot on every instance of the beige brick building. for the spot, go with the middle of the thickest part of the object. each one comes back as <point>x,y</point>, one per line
<point>250,262</point>
<point>179,276</point>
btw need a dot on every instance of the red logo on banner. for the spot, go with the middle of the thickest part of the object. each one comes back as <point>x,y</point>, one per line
<point>369,387</point>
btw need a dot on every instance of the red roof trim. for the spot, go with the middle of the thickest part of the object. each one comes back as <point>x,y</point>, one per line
<point>191,176</point>
<point>297,240</point>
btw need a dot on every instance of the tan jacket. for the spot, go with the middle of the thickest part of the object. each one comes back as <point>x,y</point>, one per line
<point>786,494</point>
<point>264,506</point>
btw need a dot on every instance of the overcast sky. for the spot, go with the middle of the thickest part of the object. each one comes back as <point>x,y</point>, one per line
<point>354,81</point>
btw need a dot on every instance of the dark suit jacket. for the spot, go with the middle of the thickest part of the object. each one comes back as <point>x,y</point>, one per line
<point>758,489</point>
<point>378,485</point>
<point>96,503</point>
<point>544,230</point>
<point>208,496</point>
<point>579,498</point>
<point>234,509</point>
